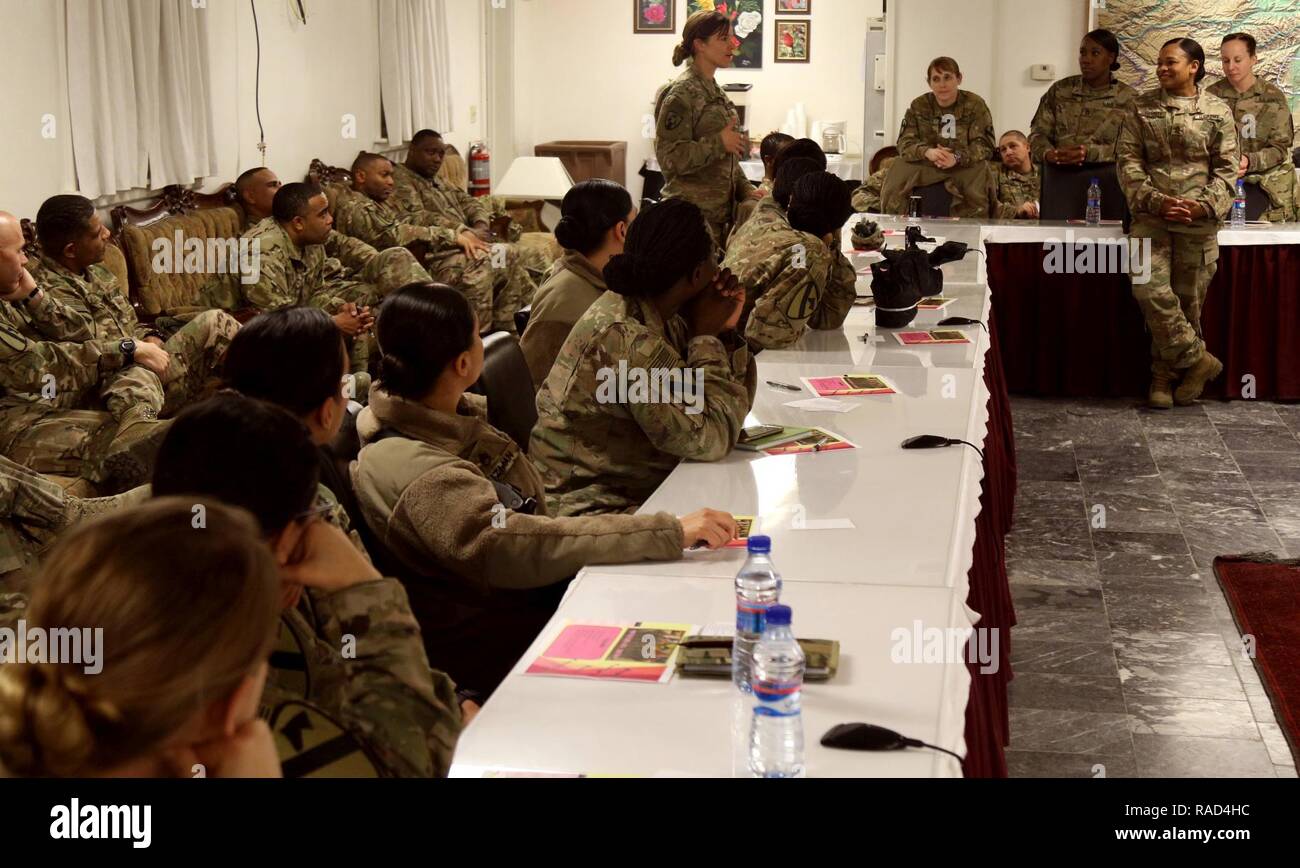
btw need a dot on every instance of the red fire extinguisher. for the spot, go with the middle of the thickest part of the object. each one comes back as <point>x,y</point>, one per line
<point>480,170</point>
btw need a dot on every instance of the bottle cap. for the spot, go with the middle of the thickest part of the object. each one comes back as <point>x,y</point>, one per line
<point>1096,181</point>
<point>778,616</point>
<point>759,545</point>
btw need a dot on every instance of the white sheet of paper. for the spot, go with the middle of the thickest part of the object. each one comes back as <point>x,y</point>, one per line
<point>824,405</point>
<point>824,524</point>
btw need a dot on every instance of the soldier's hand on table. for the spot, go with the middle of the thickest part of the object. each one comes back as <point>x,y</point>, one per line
<point>708,527</point>
<point>732,140</point>
<point>472,245</point>
<point>316,554</point>
<point>1029,209</point>
<point>152,357</point>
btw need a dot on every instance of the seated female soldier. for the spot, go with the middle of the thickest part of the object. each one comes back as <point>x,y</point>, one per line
<point>596,217</point>
<point>653,373</point>
<point>460,505</point>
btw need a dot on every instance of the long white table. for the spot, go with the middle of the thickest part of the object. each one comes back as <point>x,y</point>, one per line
<point>903,563</point>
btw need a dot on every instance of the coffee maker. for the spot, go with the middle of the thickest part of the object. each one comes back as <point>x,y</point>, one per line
<point>834,140</point>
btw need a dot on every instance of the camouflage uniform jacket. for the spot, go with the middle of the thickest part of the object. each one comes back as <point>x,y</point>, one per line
<point>1178,146</point>
<point>30,349</point>
<point>100,310</point>
<point>434,203</point>
<point>1015,189</point>
<point>312,275</point>
<point>603,449</point>
<point>572,288</point>
<point>689,122</point>
<point>926,122</point>
<point>1073,114</point>
<point>867,197</point>
<point>381,226</point>
<point>791,279</point>
<point>358,655</point>
<point>1269,148</point>
<point>429,495</point>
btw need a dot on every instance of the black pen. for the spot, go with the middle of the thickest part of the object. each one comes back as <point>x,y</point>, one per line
<point>775,385</point>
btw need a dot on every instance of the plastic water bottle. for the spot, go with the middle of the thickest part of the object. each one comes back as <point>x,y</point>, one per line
<point>1239,206</point>
<point>1094,203</point>
<point>776,732</point>
<point>758,587</point>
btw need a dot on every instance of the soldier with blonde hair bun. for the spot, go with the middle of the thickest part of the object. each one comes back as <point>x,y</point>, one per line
<point>188,620</point>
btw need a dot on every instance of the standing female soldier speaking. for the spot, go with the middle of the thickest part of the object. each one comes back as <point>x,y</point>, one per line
<point>696,141</point>
<point>1177,163</point>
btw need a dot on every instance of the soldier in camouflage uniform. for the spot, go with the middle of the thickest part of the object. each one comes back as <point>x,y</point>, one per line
<point>867,197</point>
<point>366,212</point>
<point>791,267</point>
<point>56,384</point>
<point>348,643</point>
<point>1017,181</point>
<point>946,137</point>
<point>697,144</point>
<point>1079,118</point>
<point>1265,128</point>
<point>491,274</point>
<point>1177,161</point>
<point>73,241</point>
<point>670,312</point>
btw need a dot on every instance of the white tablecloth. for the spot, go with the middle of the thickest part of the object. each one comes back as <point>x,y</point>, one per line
<point>847,167</point>
<point>905,560</point>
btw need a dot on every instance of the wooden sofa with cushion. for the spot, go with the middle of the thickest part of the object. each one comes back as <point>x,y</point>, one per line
<point>196,215</point>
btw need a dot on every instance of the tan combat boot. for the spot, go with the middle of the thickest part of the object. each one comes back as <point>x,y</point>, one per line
<point>1195,378</point>
<point>1161,396</point>
<point>130,457</point>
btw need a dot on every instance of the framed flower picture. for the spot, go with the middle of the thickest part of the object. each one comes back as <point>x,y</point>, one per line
<point>654,16</point>
<point>746,18</point>
<point>792,41</point>
<point>793,7</point>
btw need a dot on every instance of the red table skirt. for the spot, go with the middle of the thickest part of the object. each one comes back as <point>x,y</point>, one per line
<point>987,727</point>
<point>1082,336</point>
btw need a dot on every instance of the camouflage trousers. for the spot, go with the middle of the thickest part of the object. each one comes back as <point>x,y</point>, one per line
<point>497,285</point>
<point>1283,191</point>
<point>195,351</point>
<point>1182,267</point>
<point>32,510</point>
<point>391,270</point>
<point>59,442</point>
<point>970,187</point>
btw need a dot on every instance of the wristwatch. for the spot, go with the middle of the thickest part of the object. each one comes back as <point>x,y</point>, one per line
<point>34,296</point>
<point>128,352</point>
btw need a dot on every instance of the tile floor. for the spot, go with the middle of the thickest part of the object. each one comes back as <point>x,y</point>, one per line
<point>1127,662</point>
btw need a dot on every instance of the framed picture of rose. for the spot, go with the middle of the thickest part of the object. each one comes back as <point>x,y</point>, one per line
<point>654,16</point>
<point>746,18</point>
<point>793,7</point>
<point>792,41</point>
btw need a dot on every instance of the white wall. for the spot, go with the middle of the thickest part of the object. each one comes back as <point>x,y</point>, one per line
<point>994,41</point>
<point>311,76</point>
<point>581,73</point>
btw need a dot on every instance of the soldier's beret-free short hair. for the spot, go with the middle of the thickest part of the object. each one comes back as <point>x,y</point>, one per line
<point>61,220</point>
<point>293,200</point>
